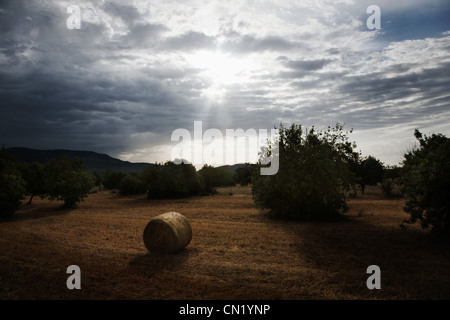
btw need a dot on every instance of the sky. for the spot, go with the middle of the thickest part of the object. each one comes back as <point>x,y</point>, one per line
<point>135,71</point>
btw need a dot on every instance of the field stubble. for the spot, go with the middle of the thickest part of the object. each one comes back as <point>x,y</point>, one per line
<point>237,252</point>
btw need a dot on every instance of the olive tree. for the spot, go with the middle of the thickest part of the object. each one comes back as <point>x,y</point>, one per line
<point>314,178</point>
<point>425,178</point>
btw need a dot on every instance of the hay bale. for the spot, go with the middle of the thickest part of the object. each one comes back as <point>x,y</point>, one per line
<point>167,233</point>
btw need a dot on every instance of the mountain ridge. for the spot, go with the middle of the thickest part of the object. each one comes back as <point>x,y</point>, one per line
<point>94,161</point>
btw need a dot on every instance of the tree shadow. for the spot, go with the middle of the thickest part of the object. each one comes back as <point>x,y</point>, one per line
<point>37,211</point>
<point>414,264</point>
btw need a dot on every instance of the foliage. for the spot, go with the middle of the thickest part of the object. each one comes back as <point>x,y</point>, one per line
<point>392,172</point>
<point>426,182</point>
<point>369,171</point>
<point>132,184</point>
<point>112,179</point>
<point>34,176</point>
<point>215,177</point>
<point>67,180</point>
<point>390,188</point>
<point>171,180</point>
<point>313,180</point>
<point>12,186</point>
<point>244,174</point>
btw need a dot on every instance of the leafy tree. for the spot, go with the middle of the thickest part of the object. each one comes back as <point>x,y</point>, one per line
<point>34,176</point>
<point>313,180</point>
<point>132,184</point>
<point>112,179</point>
<point>67,181</point>
<point>392,172</point>
<point>244,174</point>
<point>12,186</point>
<point>98,178</point>
<point>426,182</point>
<point>215,177</point>
<point>171,180</point>
<point>370,171</point>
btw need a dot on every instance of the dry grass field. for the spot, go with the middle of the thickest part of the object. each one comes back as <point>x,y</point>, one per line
<point>237,252</point>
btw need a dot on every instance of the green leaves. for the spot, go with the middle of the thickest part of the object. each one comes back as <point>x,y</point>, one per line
<point>426,182</point>
<point>67,181</point>
<point>313,178</point>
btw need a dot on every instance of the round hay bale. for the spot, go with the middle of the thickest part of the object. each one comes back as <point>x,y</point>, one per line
<point>167,233</point>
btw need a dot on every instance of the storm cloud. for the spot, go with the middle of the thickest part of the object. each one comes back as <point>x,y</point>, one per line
<point>134,73</point>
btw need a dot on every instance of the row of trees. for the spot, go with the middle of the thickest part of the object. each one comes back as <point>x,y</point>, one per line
<point>68,181</point>
<point>318,171</point>
<point>59,179</point>
<point>168,180</point>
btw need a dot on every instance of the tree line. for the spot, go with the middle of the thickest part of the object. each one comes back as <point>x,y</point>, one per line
<point>318,172</point>
<point>68,180</point>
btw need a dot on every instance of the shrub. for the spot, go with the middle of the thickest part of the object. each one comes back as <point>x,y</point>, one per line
<point>313,180</point>
<point>425,179</point>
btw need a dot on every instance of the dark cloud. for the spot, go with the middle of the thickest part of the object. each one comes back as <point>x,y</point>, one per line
<point>143,35</point>
<point>122,83</point>
<point>249,44</point>
<point>306,65</point>
<point>189,41</point>
<point>127,14</point>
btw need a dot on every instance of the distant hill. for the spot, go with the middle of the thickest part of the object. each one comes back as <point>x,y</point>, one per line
<point>234,167</point>
<point>93,161</point>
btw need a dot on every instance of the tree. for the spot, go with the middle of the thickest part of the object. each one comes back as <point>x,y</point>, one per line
<point>111,179</point>
<point>313,180</point>
<point>244,174</point>
<point>370,171</point>
<point>12,186</point>
<point>170,180</point>
<point>34,176</point>
<point>215,177</point>
<point>132,184</point>
<point>425,179</point>
<point>67,181</point>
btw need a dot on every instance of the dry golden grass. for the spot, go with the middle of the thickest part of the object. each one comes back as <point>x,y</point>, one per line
<point>236,252</point>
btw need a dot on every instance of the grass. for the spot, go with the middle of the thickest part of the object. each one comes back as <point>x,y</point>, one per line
<point>237,252</point>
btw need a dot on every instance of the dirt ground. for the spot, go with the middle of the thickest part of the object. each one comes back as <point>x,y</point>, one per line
<point>237,252</point>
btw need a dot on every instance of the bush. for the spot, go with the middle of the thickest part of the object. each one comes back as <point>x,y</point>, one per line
<point>313,180</point>
<point>425,179</point>
<point>12,186</point>
<point>132,184</point>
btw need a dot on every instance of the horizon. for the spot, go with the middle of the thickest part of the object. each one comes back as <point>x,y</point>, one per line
<point>121,78</point>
